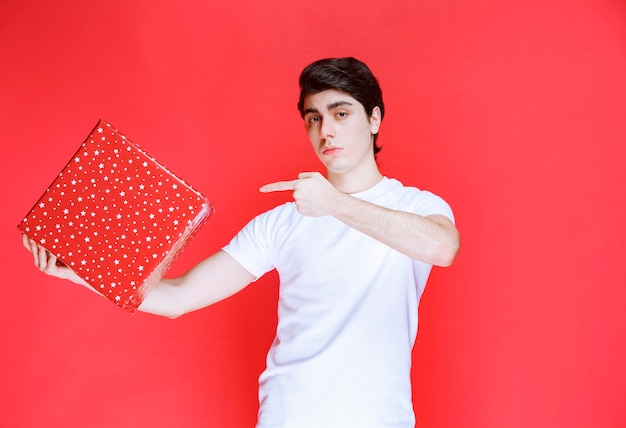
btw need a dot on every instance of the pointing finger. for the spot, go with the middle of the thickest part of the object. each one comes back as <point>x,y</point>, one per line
<point>278,186</point>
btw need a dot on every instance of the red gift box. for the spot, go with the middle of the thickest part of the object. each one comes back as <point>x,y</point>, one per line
<point>116,217</point>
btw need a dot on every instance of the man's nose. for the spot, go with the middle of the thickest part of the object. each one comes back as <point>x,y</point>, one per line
<point>327,130</point>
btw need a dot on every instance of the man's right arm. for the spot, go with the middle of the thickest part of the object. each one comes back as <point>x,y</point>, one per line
<point>213,279</point>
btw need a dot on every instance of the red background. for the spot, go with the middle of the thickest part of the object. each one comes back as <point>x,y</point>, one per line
<point>513,111</point>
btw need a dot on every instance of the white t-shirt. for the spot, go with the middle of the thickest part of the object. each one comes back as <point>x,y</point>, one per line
<point>347,315</point>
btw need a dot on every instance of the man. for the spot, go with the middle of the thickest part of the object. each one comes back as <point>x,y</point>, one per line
<point>353,251</point>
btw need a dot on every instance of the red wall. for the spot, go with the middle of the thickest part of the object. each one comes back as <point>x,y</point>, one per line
<point>513,111</point>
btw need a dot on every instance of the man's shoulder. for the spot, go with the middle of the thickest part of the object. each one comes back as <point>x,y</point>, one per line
<point>286,208</point>
<point>394,186</point>
<point>282,213</point>
<point>415,199</point>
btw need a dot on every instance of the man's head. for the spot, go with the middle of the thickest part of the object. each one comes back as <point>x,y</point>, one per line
<point>347,75</point>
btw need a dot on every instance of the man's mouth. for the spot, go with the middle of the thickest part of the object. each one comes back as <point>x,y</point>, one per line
<point>331,150</point>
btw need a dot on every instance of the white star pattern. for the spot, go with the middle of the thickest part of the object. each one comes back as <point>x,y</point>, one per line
<point>116,190</point>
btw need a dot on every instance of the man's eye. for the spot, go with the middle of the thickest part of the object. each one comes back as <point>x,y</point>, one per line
<point>342,114</point>
<point>314,119</point>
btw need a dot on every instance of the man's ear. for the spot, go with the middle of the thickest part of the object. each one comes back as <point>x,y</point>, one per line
<point>375,120</point>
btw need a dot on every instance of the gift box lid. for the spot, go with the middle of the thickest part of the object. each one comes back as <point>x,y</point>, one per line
<point>116,216</point>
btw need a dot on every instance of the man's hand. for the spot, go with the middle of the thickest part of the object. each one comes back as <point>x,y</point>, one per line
<point>314,195</point>
<point>48,263</point>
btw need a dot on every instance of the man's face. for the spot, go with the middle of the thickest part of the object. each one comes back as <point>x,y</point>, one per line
<point>340,131</point>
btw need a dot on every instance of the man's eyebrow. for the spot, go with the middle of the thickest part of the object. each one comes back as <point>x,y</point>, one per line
<point>330,106</point>
<point>336,104</point>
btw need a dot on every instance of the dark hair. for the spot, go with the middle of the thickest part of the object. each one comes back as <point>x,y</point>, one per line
<point>348,75</point>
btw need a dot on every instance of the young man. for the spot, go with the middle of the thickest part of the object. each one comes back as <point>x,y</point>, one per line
<point>354,251</point>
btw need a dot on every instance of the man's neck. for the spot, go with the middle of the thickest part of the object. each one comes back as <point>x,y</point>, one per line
<point>354,183</point>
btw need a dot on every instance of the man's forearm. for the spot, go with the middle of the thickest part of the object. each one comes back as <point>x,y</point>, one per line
<point>212,280</point>
<point>433,239</point>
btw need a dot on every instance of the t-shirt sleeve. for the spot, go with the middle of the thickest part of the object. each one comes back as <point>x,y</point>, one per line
<point>250,247</point>
<point>425,203</point>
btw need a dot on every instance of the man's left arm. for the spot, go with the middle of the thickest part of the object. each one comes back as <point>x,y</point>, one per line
<point>432,239</point>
